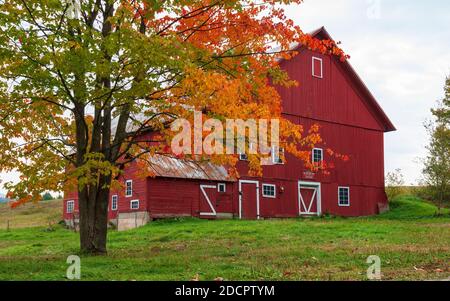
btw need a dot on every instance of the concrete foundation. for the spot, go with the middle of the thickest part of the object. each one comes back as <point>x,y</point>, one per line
<point>131,220</point>
<point>224,215</point>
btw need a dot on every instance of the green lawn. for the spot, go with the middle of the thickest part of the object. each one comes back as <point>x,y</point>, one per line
<point>411,242</point>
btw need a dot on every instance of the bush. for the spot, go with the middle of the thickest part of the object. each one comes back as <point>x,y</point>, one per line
<point>394,184</point>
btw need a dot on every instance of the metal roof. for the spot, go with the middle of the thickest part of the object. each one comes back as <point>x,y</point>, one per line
<point>169,167</point>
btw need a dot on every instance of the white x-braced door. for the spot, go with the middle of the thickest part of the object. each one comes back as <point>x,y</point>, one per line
<point>309,198</point>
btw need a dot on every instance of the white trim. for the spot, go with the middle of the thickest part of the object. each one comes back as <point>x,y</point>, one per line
<point>317,194</point>
<point>313,67</point>
<point>339,201</point>
<point>321,154</point>
<point>112,202</point>
<point>274,191</point>
<point>240,196</point>
<point>126,188</point>
<point>131,204</point>
<point>213,210</point>
<point>243,157</point>
<point>276,155</point>
<point>72,202</point>
<point>222,185</point>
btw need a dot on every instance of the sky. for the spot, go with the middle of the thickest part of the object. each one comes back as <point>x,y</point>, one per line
<point>401,49</point>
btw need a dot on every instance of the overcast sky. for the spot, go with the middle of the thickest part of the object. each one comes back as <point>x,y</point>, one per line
<point>401,49</point>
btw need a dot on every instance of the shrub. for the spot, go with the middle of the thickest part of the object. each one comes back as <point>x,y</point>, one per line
<point>394,184</point>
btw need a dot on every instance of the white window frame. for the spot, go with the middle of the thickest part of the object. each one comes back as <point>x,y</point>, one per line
<point>116,197</point>
<point>243,157</point>
<point>72,203</point>
<point>131,204</point>
<point>222,185</point>
<point>276,155</point>
<point>339,200</point>
<point>274,196</point>
<point>314,58</point>
<point>321,155</point>
<point>126,188</point>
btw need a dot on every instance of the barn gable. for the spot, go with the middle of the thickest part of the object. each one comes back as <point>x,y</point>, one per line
<point>334,93</point>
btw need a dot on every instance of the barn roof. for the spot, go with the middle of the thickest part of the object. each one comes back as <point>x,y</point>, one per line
<point>380,115</point>
<point>169,167</point>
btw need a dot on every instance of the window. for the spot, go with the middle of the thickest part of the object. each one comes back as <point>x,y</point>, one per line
<point>344,196</point>
<point>243,157</point>
<point>129,188</point>
<point>269,191</point>
<point>277,155</point>
<point>317,69</point>
<point>114,202</point>
<point>134,204</point>
<point>317,156</point>
<point>222,187</point>
<point>70,206</point>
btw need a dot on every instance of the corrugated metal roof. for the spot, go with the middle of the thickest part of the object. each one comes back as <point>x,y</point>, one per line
<point>169,167</point>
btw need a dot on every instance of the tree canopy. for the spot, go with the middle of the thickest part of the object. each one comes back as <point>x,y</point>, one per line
<point>80,81</point>
<point>437,162</point>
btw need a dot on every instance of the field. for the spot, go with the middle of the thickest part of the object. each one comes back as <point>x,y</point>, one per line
<point>411,242</point>
<point>30,215</point>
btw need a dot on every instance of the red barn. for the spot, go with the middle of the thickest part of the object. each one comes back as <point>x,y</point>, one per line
<point>332,95</point>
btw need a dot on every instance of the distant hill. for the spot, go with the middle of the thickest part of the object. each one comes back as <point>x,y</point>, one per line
<point>3,199</point>
<point>30,214</point>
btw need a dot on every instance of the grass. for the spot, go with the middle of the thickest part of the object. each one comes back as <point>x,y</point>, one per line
<point>30,215</point>
<point>411,242</point>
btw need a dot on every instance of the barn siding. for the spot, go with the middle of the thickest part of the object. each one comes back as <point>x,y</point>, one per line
<point>333,98</point>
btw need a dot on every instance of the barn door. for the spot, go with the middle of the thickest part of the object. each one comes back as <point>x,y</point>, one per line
<point>248,199</point>
<point>309,198</point>
<point>208,200</point>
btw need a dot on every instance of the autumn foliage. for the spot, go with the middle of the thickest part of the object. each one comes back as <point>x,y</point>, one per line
<point>80,82</point>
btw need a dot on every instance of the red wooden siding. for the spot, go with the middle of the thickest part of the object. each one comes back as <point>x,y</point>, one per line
<point>333,98</point>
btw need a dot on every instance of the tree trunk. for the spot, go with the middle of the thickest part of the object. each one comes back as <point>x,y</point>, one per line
<point>93,203</point>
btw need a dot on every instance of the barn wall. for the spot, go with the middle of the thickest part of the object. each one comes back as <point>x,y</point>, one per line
<point>169,197</point>
<point>365,166</point>
<point>334,98</point>
<point>364,200</point>
<point>348,126</point>
<point>139,193</point>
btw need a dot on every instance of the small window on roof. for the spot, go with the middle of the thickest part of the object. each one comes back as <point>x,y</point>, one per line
<point>317,67</point>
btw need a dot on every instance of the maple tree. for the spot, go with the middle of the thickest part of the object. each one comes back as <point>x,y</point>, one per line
<point>80,81</point>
